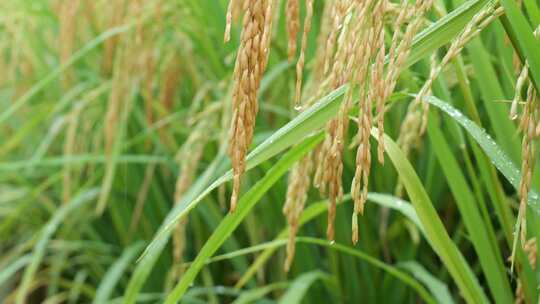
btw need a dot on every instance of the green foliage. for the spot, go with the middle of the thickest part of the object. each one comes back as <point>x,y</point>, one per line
<point>83,222</point>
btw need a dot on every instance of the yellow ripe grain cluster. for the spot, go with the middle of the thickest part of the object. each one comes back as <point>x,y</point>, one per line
<point>352,50</point>
<point>250,65</point>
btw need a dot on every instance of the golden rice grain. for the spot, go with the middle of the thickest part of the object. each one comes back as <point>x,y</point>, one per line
<point>528,126</point>
<point>293,25</point>
<point>475,26</point>
<point>377,80</point>
<point>399,52</point>
<point>330,166</point>
<point>233,12</point>
<point>250,64</point>
<point>522,78</point>
<point>299,182</point>
<point>359,185</point>
<point>301,59</point>
<point>338,12</point>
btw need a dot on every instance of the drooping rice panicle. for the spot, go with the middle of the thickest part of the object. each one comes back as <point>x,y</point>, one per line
<point>528,123</point>
<point>329,164</point>
<point>399,53</point>
<point>293,26</point>
<point>399,50</point>
<point>356,50</point>
<point>301,59</point>
<point>415,122</point>
<point>300,175</point>
<point>473,29</point>
<point>250,64</point>
<point>377,80</point>
<point>299,182</point>
<point>371,83</point>
<point>338,11</point>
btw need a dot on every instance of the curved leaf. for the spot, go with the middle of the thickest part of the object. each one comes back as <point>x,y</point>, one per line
<point>434,228</point>
<point>295,293</point>
<point>46,234</point>
<point>438,289</point>
<point>497,156</point>
<point>110,279</point>
<point>319,208</point>
<point>232,220</point>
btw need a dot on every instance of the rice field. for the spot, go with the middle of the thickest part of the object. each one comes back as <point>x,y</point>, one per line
<point>269,151</point>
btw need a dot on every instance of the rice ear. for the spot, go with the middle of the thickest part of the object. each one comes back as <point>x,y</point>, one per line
<point>301,59</point>
<point>250,65</point>
<point>293,24</point>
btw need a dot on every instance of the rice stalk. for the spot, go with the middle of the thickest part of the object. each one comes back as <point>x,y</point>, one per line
<point>531,249</point>
<point>188,158</point>
<point>141,199</point>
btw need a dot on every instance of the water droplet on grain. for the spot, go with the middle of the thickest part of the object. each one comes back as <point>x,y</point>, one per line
<point>332,242</point>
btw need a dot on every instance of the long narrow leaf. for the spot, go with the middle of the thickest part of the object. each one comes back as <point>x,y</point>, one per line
<point>501,161</point>
<point>434,228</point>
<point>232,220</point>
<point>48,231</point>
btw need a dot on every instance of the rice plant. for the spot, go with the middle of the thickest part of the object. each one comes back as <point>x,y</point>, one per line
<point>261,151</point>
